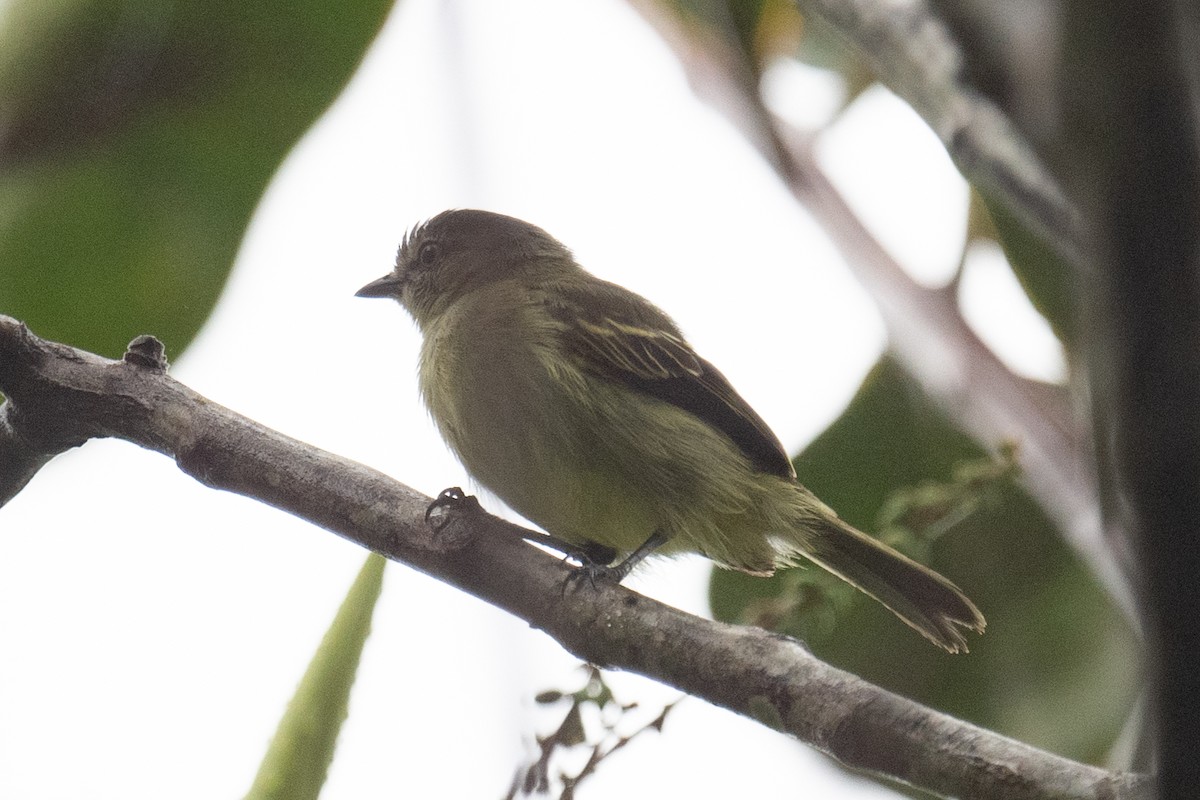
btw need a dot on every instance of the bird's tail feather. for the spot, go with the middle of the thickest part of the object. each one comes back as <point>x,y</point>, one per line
<point>932,605</point>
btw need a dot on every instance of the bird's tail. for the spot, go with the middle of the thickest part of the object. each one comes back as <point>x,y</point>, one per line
<point>932,605</point>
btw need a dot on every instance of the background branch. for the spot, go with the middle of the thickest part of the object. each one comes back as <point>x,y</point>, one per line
<point>764,676</point>
<point>914,53</point>
<point>926,328</point>
<point>1133,122</point>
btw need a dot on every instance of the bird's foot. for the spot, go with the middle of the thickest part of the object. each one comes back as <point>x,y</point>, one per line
<point>594,571</point>
<point>447,503</point>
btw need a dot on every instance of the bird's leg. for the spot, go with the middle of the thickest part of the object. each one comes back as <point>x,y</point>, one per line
<point>595,553</point>
<point>454,500</point>
<point>595,559</point>
<point>616,573</point>
<point>586,553</point>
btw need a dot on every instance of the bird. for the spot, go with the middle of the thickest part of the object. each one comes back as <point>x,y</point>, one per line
<point>582,406</point>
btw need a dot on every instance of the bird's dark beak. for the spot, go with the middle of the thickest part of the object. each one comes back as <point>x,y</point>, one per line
<point>387,286</point>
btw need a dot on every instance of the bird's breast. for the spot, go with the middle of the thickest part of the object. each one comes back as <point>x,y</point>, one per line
<point>516,412</point>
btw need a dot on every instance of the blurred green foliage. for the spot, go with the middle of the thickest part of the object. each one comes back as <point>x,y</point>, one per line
<point>136,139</point>
<point>1057,667</point>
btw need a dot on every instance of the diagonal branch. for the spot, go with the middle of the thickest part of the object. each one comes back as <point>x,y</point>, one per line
<point>911,50</point>
<point>927,332</point>
<point>914,53</point>
<point>73,396</point>
<point>925,327</point>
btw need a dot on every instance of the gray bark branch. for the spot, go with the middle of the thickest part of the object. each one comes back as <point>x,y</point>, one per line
<point>59,397</point>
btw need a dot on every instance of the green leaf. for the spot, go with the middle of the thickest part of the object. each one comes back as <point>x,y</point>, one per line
<point>1057,667</point>
<point>1047,279</point>
<point>137,139</point>
<point>298,759</point>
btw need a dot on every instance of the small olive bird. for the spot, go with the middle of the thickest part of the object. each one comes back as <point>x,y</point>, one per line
<point>581,405</point>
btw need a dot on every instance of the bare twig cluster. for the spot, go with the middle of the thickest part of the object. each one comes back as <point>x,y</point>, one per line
<point>540,778</point>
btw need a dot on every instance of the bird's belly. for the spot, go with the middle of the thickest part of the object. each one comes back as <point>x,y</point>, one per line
<point>527,439</point>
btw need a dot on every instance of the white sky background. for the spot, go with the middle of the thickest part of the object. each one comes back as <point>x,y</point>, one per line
<point>151,630</point>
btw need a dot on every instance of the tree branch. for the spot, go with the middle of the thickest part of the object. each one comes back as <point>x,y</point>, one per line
<point>59,396</point>
<point>18,460</point>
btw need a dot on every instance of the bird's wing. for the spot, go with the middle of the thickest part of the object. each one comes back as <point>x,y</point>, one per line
<point>640,347</point>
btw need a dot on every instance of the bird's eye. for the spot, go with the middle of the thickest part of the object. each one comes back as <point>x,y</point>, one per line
<point>429,253</point>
